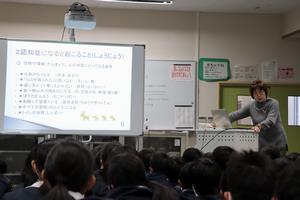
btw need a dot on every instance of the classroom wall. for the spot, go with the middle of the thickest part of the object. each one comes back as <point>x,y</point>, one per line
<point>243,39</point>
<point>168,35</point>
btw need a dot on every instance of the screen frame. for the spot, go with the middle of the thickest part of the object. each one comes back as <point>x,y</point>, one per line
<point>137,93</point>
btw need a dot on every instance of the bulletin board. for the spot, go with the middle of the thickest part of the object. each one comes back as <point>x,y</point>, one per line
<point>170,95</point>
<point>229,92</point>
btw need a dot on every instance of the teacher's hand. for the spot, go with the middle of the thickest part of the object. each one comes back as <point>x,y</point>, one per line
<point>256,128</point>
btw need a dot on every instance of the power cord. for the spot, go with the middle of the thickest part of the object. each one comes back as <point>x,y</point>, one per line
<point>214,137</point>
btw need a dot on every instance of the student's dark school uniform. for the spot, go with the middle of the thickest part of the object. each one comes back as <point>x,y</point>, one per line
<point>100,189</point>
<point>130,193</point>
<point>5,185</point>
<point>188,194</point>
<point>159,178</point>
<point>29,193</point>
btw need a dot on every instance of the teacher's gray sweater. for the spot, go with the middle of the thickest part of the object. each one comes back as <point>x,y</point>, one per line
<point>266,114</point>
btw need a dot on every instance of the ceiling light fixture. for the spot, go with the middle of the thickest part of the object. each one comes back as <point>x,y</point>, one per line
<point>161,2</point>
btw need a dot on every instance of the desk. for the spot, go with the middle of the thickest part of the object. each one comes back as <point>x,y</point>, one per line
<point>207,139</point>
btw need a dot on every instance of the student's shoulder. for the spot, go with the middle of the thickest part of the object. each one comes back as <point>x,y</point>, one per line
<point>30,193</point>
<point>93,197</point>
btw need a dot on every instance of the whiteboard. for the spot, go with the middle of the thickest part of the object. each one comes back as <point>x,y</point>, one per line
<point>170,95</point>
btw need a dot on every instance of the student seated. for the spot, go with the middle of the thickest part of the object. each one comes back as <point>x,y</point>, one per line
<point>158,169</point>
<point>186,183</point>
<point>250,176</point>
<point>145,155</point>
<point>191,154</point>
<point>127,179</point>
<point>288,186</point>
<point>5,185</point>
<point>68,172</point>
<point>100,188</point>
<point>38,157</point>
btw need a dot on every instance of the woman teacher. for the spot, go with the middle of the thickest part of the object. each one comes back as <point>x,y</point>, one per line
<point>265,115</point>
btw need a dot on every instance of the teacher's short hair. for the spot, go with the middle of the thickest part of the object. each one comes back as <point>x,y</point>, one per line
<point>258,84</point>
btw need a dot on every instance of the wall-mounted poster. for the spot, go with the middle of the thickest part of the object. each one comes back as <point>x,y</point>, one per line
<point>245,72</point>
<point>285,73</point>
<point>213,69</point>
<point>269,70</point>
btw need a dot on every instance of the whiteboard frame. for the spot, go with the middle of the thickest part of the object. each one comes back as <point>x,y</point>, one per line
<point>162,114</point>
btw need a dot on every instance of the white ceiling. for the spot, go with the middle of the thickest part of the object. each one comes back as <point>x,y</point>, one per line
<point>223,6</point>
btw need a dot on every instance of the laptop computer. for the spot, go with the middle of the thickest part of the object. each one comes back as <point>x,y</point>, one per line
<point>221,118</point>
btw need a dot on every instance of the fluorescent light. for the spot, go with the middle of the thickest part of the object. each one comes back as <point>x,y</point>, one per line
<point>163,2</point>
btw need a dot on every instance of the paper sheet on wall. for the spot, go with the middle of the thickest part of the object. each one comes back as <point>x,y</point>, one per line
<point>184,117</point>
<point>245,72</point>
<point>241,102</point>
<point>269,70</point>
<point>285,73</point>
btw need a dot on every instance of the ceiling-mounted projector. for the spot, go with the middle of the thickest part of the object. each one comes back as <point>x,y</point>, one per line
<point>79,16</point>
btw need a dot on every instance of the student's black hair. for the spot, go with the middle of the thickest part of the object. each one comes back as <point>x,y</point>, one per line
<point>185,177</point>
<point>120,149</point>
<point>258,84</point>
<point>174,165</point>
<point>159,162</point>
<point>249,176</point>
<point>28,176</point>
<point>205,174</point>
<point>289,183</point>
<point>272,151</point>
<point>68,167</point>
<point>126,169</point>
<point>3,167</point>
<point>40,152</point>
<point>221,155</point>
<point>97,155</point>
<point>191,154</point>
<point>106,149</point>
<point>293,156</point>
<point>145,155</point>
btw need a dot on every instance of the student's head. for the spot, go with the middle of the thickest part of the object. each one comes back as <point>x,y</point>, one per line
<point>159,162</point>
<point>28,176</point>
<point>258,89</point>
<point>68,167</point>
<point>191,154</point>
<point>39,154</point>
<point>174,166</point>
<point>184,177</point>
<point>221,155</point>
<point>205,174</point>
<point>120,149</point>
<point>3,167</point>
<point>105,151</point>
<point>272,151</point>
<point>249,176</point>
<point>145,155</point>
<point>293,156</point>
<point>97,155</point>
<point>126,169</point>
<point>289,183</point>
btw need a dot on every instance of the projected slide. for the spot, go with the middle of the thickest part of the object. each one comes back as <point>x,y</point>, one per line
<point>67,86</point>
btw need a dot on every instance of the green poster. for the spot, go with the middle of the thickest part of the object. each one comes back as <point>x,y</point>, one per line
<point>213,69</point>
